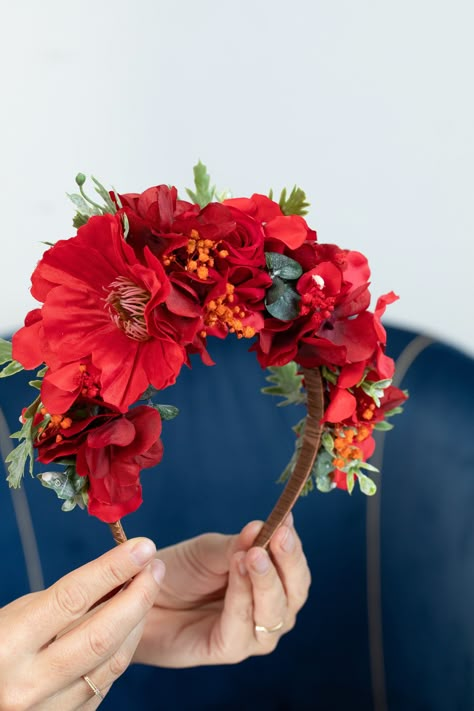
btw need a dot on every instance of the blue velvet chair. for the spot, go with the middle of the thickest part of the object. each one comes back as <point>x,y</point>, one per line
<point>389,622</point>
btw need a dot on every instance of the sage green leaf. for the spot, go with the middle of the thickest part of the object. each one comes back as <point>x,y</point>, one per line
<point>204,193</point>
<point>327,442</point>
<point>394,411</point>
<point>287,383</point>
<point>282,301</point>
<point>368,467</point>
<point>350,481</point>
<point>167,412</point>
<point>383,426</point>
<point>10,369</point>
<point>323,465</point>
<point>110,206</point>
<point>5,351</point>
<point>82,205</point>
<point>367,486</point>
<point>282,266</point>
<point>16,462</point>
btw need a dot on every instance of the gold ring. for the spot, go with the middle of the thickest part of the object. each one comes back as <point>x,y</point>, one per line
<point>93,687</point>
<point>269,630</point>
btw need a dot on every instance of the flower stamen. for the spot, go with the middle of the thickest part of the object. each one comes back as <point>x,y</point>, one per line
<point>126,304</point>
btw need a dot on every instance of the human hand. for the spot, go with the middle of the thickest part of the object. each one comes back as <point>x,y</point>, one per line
<point>50,639</point>
<point>217,589</point>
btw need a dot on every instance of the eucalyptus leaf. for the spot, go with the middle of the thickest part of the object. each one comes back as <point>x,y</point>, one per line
<point>283,266</point>
<point>323,465</point>
<point>285,306</point>
<point>167,412</point>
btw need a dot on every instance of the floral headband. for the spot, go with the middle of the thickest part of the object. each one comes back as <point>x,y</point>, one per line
<point>130,298</point>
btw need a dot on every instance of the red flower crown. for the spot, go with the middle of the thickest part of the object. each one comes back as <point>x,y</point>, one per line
<point>139,289</point>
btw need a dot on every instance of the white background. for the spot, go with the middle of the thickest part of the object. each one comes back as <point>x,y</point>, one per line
<point>367,105</point>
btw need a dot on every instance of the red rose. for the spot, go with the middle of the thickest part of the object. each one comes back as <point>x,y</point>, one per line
<point>112,455</point>
<point>280,230</point>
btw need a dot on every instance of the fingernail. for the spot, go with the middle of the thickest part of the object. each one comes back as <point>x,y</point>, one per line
<point>261,563</point>
<point>240,558</point>
<point>158,570</point>
<point>143,551</point>
<point>288,542</point>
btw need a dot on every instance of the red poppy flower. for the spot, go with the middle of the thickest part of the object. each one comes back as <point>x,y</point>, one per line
<point>101,302</point>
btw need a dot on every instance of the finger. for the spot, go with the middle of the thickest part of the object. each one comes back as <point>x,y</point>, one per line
<point>235,633</point>
<point>95,641</point>
<point>269,596</point>
<point>289,558</point>
<point>72,596</point>
<point>79,695</point>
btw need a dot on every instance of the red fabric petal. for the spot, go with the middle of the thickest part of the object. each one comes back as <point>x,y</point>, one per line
<point>341,406</point>
<point>292,230</point>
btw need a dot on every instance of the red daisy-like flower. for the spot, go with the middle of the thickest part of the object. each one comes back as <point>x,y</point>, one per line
<point>101,302</point>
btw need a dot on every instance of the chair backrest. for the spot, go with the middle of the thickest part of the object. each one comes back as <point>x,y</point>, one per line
<point>222,456</point>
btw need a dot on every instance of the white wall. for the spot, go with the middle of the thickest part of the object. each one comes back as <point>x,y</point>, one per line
<point>366,104</point>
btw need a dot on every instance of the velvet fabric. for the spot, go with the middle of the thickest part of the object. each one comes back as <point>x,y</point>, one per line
<point>222,456</point>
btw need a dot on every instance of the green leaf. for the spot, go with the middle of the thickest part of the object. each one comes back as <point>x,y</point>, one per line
<point>10,369</point>
<point>329,375</point>
<point>367,486</point>
<point>295,203</point>
<point>167,412</point>
<point>5,351</point>
<point>204,193</point>
<point>383,426</point>
<point>395,411</point>
<point>323,464</point>
<point>81,204</point>
<point>16,462</point>
<point>282,302</point>
<point>282,266</point>
<point>110,206</point>
<point>42,372</point>
<point>79,220</point>
<point>368,467</point>
<point>287,383</point>
<point>36,384</point>
<point>327,442</point>
<point>350,481</point>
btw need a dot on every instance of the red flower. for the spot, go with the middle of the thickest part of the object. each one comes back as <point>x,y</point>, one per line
<point>287,230</point>
<point>101,302</point>
<point>215,256</point>
<point>112,456</point>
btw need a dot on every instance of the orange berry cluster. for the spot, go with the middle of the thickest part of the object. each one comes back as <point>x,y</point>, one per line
<point>222,311</point>
<point>345,444</point>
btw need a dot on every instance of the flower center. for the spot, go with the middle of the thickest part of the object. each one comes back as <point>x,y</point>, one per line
<point>199,255</point>
<point>221,312</point>
<point>126,303</point>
